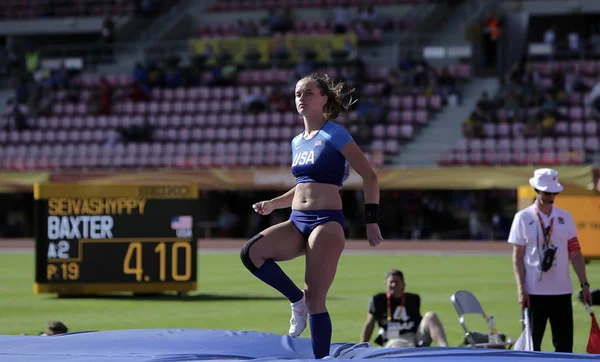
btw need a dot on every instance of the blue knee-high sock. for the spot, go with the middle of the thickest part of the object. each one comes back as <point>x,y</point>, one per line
<point>274,276</point>
<point>320,331</point>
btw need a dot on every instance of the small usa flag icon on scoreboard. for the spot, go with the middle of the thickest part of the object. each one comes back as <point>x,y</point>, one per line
<point>181,222</point>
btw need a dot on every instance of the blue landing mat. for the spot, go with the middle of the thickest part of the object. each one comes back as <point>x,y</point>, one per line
<point>175,345</point>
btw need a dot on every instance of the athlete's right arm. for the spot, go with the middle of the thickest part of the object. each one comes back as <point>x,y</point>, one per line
<point>516,238</point>
<point>519,265</point>
<point>284,201</point>
<point>367,329</point>
<point>519,270</point>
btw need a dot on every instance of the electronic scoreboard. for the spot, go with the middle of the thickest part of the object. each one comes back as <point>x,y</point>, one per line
<point>92,238</point>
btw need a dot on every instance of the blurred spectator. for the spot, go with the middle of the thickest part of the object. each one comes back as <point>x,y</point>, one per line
<point>223,75</point>
<point>140,92</point>
<point>512,105</point>
<point>140,73</point>
<point>473,126</point>
<point>32,59</point>
<point>223,56</point>
<point>263,27</point>
<point>244,28</point>
<point>13,57</point>
<point>369,25</point>
<point>254,103</point>
<point>108,36</point>
<point>531,77</point>
<point>595,42</point>
<point>476,228</point>
<point>593,98</point>
<point>279,101</point>
<point>550,39</point>
<point>406,62</point>
<point>147,7</point>
<point>44,106</point>
<point>156,75</point>
<point>341,17</point>
<point>548,123</point>
<point>22,89</point>
<point>173,75</point>
<point>303,67</point>
<point>485,103</point>
<point>252,56</point>
<point>61,78</point>
<point>279,20</point>
<point>207,55</point>
<point>354,75</point>
<point>227,222</point>
<point>141,133</point>
<point>369,17</point>
<point>280,52</point>
<point>108,30</point>
<point>379,112</point>
<point>421,72</point>
<point>17,120</point>
<point>549,105</point>
<point>500,225</point>
<point>346,52</point>
<point>492,30</point>
<point>574,43</point>
<point>100,101</point>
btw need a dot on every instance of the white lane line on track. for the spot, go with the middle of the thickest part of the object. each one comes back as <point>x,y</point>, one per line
<point>346,252</point>
<point>384,252</point>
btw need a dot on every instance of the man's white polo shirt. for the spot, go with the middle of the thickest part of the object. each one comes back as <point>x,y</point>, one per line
<point>527,230</point>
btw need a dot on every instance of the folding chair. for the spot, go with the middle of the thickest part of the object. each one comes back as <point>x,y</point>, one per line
<point>466,303</point>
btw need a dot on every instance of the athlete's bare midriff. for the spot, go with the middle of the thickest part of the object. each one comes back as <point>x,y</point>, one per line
<point>316,196</point>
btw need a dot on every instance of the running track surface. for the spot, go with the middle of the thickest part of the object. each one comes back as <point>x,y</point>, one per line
<point>352,246</point>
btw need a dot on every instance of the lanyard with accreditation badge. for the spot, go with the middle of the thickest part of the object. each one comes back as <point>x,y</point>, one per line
<point>393,328</point>
<point>547,231</point>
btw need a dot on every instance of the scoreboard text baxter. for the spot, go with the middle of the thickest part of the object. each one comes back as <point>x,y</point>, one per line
<point>93,238</point>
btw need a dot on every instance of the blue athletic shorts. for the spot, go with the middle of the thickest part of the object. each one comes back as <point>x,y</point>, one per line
<point>305,221</point>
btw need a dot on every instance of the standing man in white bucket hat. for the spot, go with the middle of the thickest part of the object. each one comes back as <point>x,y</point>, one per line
<point>544,239</point>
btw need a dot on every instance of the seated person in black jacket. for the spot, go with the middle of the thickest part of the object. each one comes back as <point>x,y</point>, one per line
<point>398,315</point>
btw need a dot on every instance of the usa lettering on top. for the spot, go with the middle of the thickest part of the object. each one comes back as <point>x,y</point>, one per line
<point>319,159</point>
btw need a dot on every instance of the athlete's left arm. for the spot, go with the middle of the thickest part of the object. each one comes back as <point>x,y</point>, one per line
<point>578,262</point>
<point>577,259</point>
<point>357,160</point>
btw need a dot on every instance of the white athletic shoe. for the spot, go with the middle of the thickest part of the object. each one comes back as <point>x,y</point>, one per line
<point>299,316</point>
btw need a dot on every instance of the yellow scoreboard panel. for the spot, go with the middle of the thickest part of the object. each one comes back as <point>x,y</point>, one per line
<point>115,238</point>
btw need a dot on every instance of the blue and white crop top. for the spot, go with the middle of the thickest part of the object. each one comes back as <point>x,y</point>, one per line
<point>319,159</point>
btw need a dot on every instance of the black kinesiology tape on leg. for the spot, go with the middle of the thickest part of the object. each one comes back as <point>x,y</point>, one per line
<point>245,253</point>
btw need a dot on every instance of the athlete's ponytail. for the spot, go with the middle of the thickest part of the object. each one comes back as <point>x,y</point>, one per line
<point>335,96</point>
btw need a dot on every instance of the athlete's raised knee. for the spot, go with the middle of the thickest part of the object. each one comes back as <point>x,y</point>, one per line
<point>245,253</point>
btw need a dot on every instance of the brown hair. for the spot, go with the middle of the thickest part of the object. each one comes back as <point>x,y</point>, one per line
<point>334,106</point>
<point>394,273</point>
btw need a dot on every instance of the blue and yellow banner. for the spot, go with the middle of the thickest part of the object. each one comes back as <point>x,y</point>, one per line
<point>238,47</point>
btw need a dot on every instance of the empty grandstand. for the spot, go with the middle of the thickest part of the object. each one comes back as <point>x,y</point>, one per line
<point>215,107</point>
